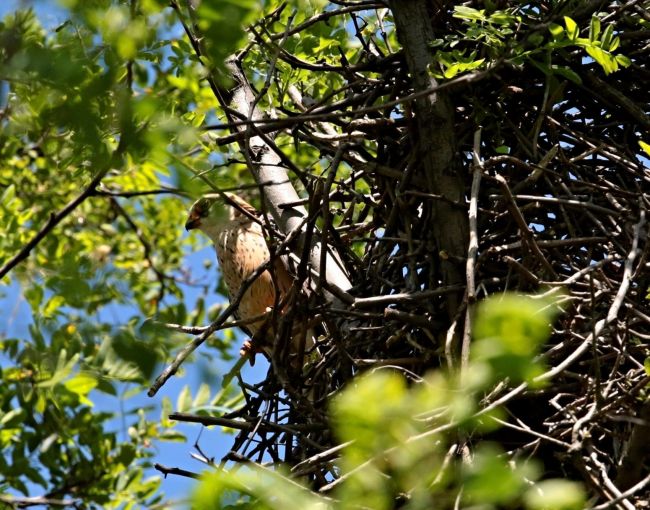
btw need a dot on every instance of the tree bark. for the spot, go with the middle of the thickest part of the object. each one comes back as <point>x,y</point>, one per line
<point>435,140</point>
<point>267,168</point>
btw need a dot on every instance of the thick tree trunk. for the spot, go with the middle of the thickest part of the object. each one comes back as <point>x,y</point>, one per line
<point>435,140</point>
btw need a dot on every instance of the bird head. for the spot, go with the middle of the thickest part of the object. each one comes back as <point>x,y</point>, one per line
<point>211,212</point>
<point>206,214</point>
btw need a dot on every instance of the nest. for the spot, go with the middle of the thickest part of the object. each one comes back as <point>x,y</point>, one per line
<point>561,200</point>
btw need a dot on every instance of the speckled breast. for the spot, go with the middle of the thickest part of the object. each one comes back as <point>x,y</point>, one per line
<point>241,249</point>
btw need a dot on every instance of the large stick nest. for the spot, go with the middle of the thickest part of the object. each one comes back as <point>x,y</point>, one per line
<point>564,205</point>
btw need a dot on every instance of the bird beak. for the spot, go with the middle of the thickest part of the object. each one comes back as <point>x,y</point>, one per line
<point>192,222</point>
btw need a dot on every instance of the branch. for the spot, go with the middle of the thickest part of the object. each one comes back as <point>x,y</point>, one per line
<point>269,169</point>
<point>405,297</point>
<point>245,425</point>
<point>175,471</point>
<point>146,247</point>
<point>265,164</point>
<point>526,233</point>
<point>337,110</point>
<point>103,191</point>
<point>37,501</point>
<point>197,330</point>
<point>183,354</point>
<point>472,250</point>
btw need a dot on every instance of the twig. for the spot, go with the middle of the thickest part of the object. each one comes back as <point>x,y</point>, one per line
<point>611,314</point>
<point>319,457</point>
<point>244,425</point>
<point>370,302</point>
<point>472,251</point>
<point>526,234</point>
<point>182,355</point>
<point>197,330</point>
<point>270,125</point>
<point>24,502</point>
<point>624,495</point>
<point>104,191</point>
<point>627,273</point>
<point>146,247</point>
<point>176,471</point>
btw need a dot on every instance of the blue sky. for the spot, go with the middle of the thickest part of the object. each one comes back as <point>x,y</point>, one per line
<point>213,442</point>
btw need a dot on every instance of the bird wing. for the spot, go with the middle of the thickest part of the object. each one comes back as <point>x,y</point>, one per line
<point>241,205</point>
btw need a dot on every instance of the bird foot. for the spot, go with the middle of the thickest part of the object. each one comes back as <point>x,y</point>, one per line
<point>249,349</point>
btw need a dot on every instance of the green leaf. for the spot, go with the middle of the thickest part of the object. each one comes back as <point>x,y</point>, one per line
<point>8,195</point>
<point>568,73</point>
<point>34,296</point>
<point>452,70</point>
<point>62,371</point>
<point>468,13</point>
<point>556,494</point>
<point>606,40</point>
<point>126,455</point>
<point>13,417</point>
<point>556,31</point>
<point>571,28</point>
<point>490,478</point>
<point>606,61</point>
<point>202,396</point>
<point>222,25</point>
<point>594,28</point>
<point>184,400</point>
<point>267,489</point>
<point>81,385</point>
<point>623,60</point>
<point>380,395</point>
<point>509,331</point>
<point>173,436</point>
<point>645,146</point>
<point>53,304</point>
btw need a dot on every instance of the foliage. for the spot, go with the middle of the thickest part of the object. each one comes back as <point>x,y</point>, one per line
<point>495,30</point>
<point>86,101</point>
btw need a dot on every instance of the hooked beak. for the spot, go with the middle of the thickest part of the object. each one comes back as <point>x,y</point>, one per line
<point>192,222</point>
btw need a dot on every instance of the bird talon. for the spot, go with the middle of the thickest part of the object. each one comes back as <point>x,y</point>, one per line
<point>248,349</point>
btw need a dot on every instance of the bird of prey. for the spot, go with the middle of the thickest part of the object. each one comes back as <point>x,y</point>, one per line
<point>241,249</point>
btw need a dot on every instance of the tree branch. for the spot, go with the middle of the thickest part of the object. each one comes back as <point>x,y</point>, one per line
<point>16,502</point>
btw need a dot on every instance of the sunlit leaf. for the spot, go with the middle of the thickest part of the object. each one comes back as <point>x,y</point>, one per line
<point>571,28</point>
<point>556,494</point>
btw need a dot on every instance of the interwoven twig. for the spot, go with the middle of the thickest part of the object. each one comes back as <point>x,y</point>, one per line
<point>565,208</point>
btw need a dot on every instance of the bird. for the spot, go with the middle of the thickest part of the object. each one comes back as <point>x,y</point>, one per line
<point>238,237</point>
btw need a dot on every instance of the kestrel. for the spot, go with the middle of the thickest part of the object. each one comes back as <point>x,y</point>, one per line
<point>241,249</point>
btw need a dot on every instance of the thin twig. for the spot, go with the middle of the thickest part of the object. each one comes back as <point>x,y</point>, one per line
<point>472,251</point>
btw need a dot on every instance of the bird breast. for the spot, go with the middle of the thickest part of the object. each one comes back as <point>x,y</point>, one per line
<point>241,249</point>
